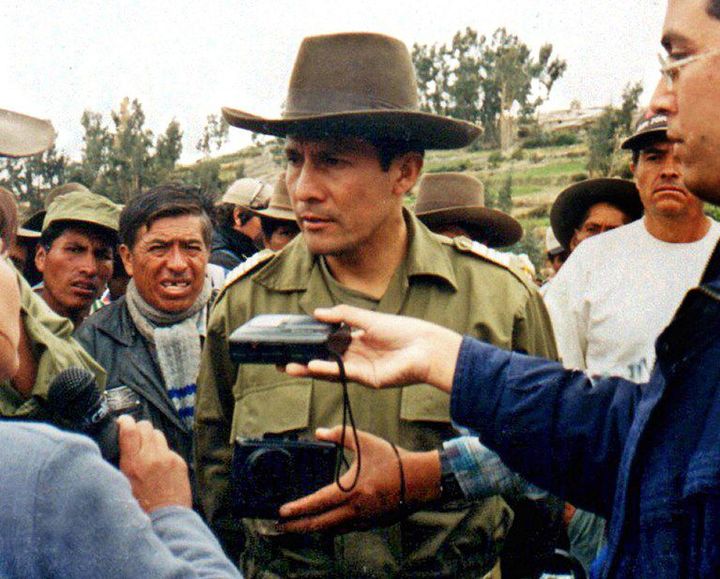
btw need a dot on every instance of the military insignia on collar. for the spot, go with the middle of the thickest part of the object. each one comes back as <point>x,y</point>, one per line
<point>468,246</point>
<point>248,265</point>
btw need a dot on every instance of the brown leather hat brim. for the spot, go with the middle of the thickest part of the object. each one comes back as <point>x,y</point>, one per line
<point>276,213</point>
<point>572,204</point>
<point>498,229</point>
<point>427,130</point>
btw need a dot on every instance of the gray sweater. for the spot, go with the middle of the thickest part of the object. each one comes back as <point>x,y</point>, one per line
<point>64,512</point>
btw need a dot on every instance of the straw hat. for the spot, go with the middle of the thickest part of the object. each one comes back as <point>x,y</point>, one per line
<point>358,84</point>
<point>459,199</point>
<point>21,135</point>
<point>280,206</point>
<point>572,204</point>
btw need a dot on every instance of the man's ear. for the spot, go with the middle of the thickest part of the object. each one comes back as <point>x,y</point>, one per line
<point>237,211</point>
<point>408,166</point>
<point>632,167</point>
<point>126,257</point>
<point>40,255</point>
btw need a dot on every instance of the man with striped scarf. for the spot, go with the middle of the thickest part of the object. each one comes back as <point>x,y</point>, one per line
<point>149,340</point>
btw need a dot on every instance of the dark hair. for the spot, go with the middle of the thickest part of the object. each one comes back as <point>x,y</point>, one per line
<point>270,224</point>
<point>8,218</point>
<point>224,215</point>
<point>57,228</point>
<point>635,156</point>
<point>713,8</point>
<point>390,149</point>
<point>171,200</point>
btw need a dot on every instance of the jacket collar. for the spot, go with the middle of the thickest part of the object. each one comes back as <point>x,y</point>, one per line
<point>121,327</point>
<point>295,269</point>
<point>235,241</point>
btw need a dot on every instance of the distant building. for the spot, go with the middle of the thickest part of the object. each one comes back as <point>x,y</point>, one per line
<point>572,119</point>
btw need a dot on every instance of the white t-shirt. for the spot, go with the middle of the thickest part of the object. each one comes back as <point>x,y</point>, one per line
<point>617,292</point>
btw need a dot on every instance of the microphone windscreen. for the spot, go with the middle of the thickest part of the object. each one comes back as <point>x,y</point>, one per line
<point>72,393</point>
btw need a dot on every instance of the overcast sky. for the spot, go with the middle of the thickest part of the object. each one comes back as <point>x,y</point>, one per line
<point>186,59</point>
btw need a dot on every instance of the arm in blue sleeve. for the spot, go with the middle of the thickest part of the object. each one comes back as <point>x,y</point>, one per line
<point>560,429</point>
<point>88,524</point>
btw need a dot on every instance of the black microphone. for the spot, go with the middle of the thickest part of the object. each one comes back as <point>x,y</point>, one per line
<point>74,396</point>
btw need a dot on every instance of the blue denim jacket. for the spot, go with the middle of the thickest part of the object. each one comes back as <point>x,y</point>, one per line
<point>645,456</point>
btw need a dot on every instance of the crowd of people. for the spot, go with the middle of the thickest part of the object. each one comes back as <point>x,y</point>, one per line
<point>504,429</point>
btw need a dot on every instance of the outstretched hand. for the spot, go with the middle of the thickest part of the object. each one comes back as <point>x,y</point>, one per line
<point>388,350</point>
<point>375,499</point>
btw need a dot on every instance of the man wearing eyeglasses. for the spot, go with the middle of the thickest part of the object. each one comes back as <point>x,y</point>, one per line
<point>646,456</point>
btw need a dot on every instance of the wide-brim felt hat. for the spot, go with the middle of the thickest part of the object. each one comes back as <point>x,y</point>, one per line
<point>572,204</point>
<point>34,222</point>
<point>649,129</point>
<point>22,135</point>
<point>358,84</point>
<point>459,198</point>
<point>280,206</point>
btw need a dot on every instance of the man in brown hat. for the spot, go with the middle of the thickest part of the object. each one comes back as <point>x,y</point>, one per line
<point>279,226</point>
<point>237,234</point>
<point>453,204</point>
<point>592,207</point>
<point>355,143</point>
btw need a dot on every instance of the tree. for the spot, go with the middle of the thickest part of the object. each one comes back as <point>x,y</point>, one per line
<point>96,151</point>
<point>214,136</point>
<point>130,155</point>
<point>607,131</point>
<point>31,178</point>
<point>124,160</point>
<point>206,176</point>
<point>483,81</point>
<point>168,149</point>
<point>504,199</point>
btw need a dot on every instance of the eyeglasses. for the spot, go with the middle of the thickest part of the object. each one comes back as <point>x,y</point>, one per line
<point>670,69</point>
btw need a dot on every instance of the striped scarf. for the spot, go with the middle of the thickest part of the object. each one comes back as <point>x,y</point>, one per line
<point>176,338</point>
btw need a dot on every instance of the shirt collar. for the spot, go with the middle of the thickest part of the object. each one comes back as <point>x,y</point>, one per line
<point>292,268</point>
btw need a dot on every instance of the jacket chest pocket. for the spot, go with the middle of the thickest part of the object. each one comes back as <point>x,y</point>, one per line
<point>274,408</point>
<point>424,417</point>
<point>425,403</point>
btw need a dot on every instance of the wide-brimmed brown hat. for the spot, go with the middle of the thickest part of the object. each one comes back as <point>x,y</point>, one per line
<point>359,84</point>
<point>280,206</point>
<point>22,135</point>
<point>571,206</point>
<point>459,199</point>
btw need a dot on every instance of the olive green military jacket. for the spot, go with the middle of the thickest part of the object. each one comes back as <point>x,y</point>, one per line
<point>447,282</point>
<point>55,349</point>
